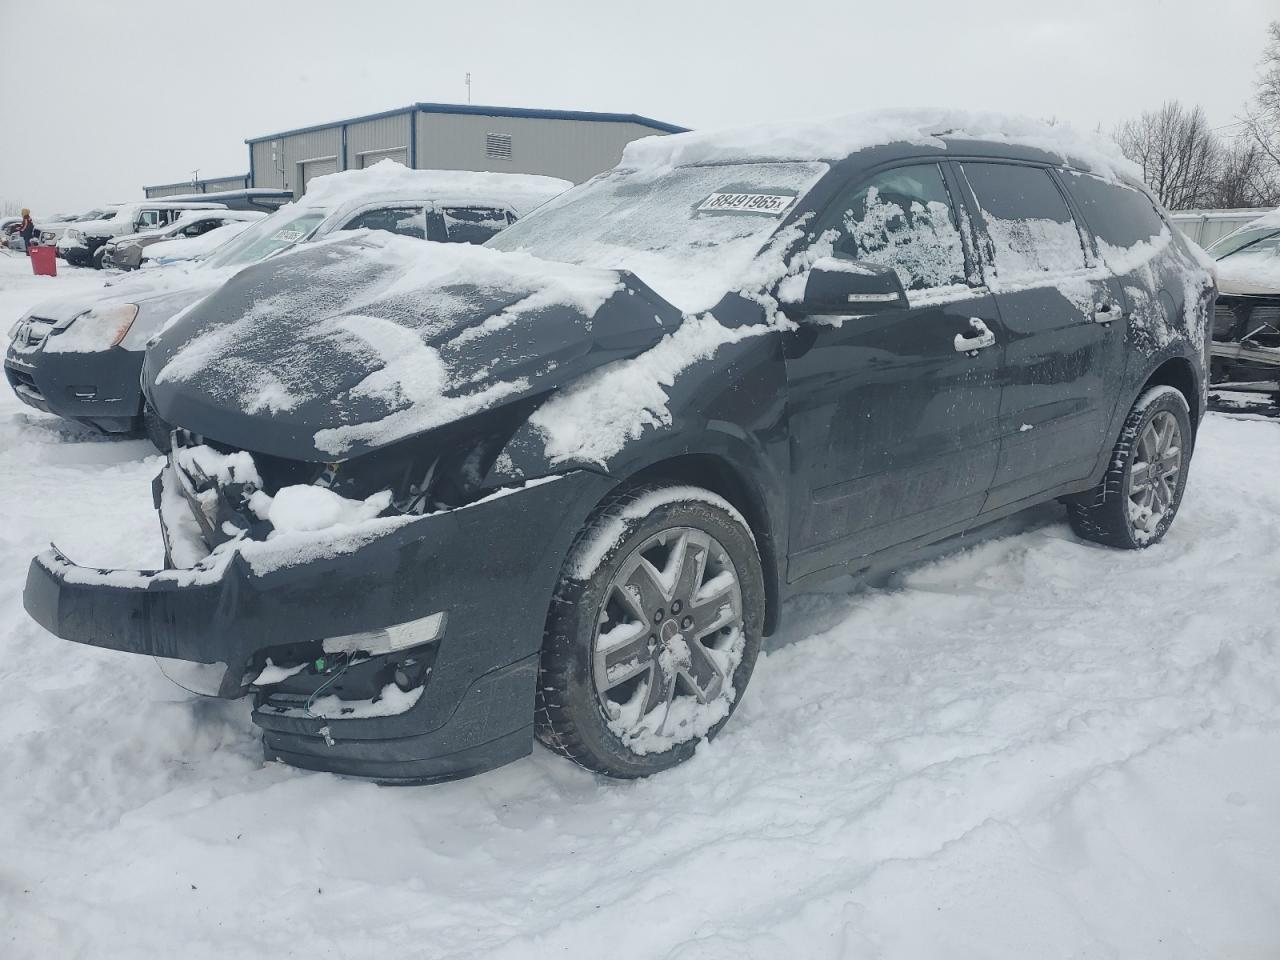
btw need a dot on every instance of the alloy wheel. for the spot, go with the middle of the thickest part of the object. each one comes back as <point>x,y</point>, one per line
<point>1154,474</point>
<point>669,637</point>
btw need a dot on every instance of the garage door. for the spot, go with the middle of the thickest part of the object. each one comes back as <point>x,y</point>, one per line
<point>316,168</point>
<point>369,157</point>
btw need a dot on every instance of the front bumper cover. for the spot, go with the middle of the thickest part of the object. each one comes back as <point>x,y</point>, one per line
<point>491,565</point>
<point>99,389</point>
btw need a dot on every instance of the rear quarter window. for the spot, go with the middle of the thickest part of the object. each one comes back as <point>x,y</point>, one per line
<point>1118,215</point>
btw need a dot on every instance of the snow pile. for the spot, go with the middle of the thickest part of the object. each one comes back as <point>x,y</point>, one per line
<point>311,509</point>
<point>224,468</point>
<point>523,191</point>
<point>832,138</point>
<point>391,701</point>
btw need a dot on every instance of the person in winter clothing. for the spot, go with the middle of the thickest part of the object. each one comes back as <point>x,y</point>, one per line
<point>28,228</point>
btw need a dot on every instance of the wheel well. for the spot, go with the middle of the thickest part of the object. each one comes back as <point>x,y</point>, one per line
<point>1177,373</point>
<point>717,475</point>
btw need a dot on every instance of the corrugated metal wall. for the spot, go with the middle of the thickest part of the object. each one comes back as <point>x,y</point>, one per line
<point>226,183</point>
<point>198,186</point>
<point>170,190</point>
<point>1207,226</point>
<point>285,171</point>
<point>372,140</point>
<point>574,149</point>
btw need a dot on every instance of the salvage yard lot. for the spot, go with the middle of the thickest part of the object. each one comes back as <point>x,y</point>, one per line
<point>1028,747</point>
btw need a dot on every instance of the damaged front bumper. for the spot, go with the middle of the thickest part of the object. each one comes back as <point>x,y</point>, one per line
<point>403,650</point>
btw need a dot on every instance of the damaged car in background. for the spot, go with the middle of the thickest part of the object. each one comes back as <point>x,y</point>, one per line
<point>79,357</point>
<point>1246,321</point>
<point>425,503</point>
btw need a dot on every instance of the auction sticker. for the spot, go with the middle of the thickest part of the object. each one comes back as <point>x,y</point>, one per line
<point>770,203</point>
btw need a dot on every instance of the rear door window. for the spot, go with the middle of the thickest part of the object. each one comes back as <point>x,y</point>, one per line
<point>902,218</point>
<point>1119,216</point>
<point>473,224</point>
<point>1028,221</point>
<point>406,221</point>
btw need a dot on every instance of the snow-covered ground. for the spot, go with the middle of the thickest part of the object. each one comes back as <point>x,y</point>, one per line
<point>1028,748</point>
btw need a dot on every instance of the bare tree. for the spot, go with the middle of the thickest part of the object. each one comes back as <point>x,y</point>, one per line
<point>1245,177</point>
<point>1177,151</point>
<point>1261,118</point>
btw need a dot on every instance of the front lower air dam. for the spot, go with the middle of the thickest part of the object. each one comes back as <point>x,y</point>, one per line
<point>406,652</point>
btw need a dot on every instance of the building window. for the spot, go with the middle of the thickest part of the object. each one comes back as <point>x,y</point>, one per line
<point>497,146</point>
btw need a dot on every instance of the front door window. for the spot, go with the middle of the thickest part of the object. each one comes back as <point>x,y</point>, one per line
<point>905,219</point>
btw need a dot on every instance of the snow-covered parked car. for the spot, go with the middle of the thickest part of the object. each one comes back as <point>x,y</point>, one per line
<point>1246,324</point>
<point>52,229</point>
<point>426,501</point>
<point>126,252</point>
<point>82,243</point>
<point>79,356</point>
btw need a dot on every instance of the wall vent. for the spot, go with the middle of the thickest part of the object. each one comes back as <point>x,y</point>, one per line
<point>497,146</point>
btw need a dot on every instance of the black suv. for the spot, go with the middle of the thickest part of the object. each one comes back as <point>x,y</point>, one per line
<point>427,503</point>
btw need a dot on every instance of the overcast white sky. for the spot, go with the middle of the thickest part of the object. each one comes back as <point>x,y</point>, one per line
<point>98,98</point>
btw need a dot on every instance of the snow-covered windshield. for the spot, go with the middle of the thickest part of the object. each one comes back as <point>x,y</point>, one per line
<point>1255,240</point>
<point>688,232</point>
<point>282,229</point>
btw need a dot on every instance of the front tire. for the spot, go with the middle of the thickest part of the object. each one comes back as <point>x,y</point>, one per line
<point>1140,493</point>
<point>155,429</point>
<point>653,632</point>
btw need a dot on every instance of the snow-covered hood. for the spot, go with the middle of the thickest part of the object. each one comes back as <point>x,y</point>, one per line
<point>350,344</point>
<point>1248,273</point>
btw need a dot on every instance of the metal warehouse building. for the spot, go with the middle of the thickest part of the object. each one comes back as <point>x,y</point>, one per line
<point>210,185</point>
<point>572,144</point>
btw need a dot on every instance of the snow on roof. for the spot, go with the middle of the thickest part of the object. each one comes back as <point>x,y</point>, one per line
<point>524,191</point>
<point>831,138</point>
<point>1270,219</point>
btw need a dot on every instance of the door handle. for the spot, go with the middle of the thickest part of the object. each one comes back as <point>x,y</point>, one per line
<point>983,339</point>
<point>1107,313</point>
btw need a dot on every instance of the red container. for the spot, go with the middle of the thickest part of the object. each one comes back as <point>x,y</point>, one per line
<point>44,261</point>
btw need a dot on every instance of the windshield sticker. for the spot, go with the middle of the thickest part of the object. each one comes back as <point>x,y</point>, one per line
<point>771,203</point>
<point>288,236</point>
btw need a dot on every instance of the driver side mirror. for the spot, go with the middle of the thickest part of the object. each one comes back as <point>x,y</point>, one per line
<point>843,287</point>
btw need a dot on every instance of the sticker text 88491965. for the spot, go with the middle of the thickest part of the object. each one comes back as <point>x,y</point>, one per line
<point>770,203</point>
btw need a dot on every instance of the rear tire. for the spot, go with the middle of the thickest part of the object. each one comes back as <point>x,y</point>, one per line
<point>98,256</point>
<point>653,631</point>
<point>1134,505</point>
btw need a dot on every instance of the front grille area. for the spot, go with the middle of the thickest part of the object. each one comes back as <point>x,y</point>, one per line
<point>1254,319</point>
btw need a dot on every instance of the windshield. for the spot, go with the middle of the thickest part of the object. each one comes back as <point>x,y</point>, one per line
<point>688,232</point>
<point>282,229</point>
<point>95,215</point>
<point>1252,239</point>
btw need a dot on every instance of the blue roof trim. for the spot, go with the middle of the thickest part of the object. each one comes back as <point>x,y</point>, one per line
<point>484,111</point>
<point>188,183</point>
